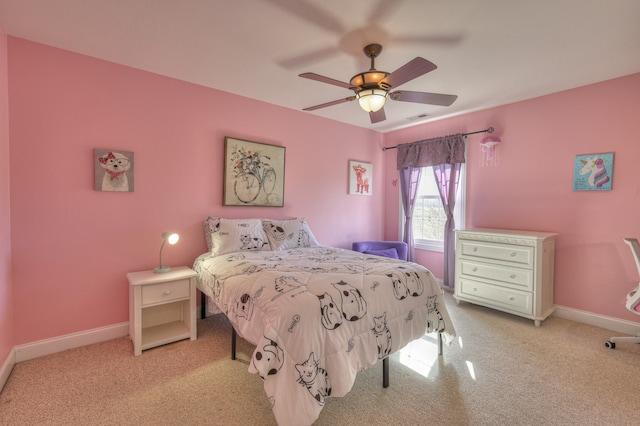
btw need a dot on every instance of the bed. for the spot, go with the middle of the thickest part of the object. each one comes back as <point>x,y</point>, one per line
<point>317,315</point>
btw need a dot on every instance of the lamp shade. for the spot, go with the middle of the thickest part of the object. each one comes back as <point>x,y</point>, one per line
<point>372,100</point>
<point>171,238</point>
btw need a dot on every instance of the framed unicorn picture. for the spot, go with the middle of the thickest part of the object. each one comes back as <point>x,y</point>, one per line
<point>593,172</point>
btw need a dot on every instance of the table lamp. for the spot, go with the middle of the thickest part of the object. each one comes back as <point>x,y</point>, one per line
<point>172,238</point>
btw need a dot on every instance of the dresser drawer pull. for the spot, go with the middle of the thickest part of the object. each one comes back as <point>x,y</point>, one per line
<point>513,275</point>
<point>513,254</point>
<point>512,298</point>
<point>475,249</point>
<point>167,292</point>
<point>475,269</point>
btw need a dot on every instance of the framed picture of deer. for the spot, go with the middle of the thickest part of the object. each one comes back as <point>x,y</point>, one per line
<point>360,178</point>
<point>593,172</point>
<point>253,173</point>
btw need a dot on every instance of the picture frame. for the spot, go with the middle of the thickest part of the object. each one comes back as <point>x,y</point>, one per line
<point>360,178</point>
<point>253,173</point>
<point>113,170</point>
<point>593,172</point>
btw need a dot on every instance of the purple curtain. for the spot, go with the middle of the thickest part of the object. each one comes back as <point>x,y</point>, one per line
<point>409,180</point>
<point>447,178</point>
<point>445,154</point>
<point>431,152</point>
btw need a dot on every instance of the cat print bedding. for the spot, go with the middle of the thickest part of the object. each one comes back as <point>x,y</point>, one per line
<point>318,316</point>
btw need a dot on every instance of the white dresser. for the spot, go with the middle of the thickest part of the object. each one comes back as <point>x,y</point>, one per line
<point>507,270</point>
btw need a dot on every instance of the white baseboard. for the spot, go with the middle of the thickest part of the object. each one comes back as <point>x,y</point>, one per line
<point>70,341</point>
<point>75,340</point>
<point>608,323</point>
<point>6,368</point>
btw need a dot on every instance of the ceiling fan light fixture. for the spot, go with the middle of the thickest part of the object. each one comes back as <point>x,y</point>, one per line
<point>372,100</point>
<point>368,78</point>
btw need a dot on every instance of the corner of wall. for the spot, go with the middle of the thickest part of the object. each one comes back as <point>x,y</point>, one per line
<point>7,330</point>
<point>7,367</point>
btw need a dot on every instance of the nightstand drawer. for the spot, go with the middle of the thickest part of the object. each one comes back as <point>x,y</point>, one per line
<point>163,292</point>
<point>518,278</point>
<point>495,296</point>
<point>517,255</point>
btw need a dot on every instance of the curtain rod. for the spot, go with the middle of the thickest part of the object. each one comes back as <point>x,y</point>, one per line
<point>489,130</point>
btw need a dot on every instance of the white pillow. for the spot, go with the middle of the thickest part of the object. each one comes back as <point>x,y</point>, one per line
<point>288,234</point>
<point>239,235</point>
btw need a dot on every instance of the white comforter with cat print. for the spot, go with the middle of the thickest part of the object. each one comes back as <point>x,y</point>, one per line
<point>320,315</point>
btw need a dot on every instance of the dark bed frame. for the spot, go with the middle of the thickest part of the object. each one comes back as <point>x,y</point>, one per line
<point>385,361</point>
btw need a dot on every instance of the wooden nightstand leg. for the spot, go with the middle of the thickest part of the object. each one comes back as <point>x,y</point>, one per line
<point>193,317</point>
<point>136,336</point>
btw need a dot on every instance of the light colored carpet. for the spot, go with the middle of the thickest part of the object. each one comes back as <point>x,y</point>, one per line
<point>499,370</point>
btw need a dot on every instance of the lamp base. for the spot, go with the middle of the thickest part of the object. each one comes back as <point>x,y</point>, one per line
<point>162,269</point>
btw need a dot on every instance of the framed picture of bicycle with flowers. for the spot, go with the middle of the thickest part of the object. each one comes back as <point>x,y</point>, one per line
<point>253,173</point>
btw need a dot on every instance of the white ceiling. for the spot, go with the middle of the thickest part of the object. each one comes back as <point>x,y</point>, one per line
<point>488,52</point>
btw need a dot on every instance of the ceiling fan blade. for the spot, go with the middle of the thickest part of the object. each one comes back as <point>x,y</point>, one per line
<point>310,58</point>
<point>323,79</point>
<point>412,69</point>
<point>423,97</point>
<point>377,116</point>
<point>311,13</point>
<point>384,9</point>
<point>441,40</point>
<point>327,104</point>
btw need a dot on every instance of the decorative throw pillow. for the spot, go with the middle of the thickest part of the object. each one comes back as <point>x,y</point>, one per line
<point>288,234</point>
<point>239,235</point>
<point>211,225</point>
<point>390,252</point>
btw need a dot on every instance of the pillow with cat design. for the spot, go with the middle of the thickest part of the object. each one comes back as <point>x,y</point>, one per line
<point>289,234</point>
<point>235,235</point>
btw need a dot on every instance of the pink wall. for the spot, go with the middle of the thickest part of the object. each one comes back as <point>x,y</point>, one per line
<point>532,186</point>
<point>72,246</point>
<point>6,291</point>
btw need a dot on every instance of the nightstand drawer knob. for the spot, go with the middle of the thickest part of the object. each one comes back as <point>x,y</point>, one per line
<point>167,292</point>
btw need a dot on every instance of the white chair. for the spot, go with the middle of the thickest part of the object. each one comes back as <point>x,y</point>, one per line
<point>633,298</point>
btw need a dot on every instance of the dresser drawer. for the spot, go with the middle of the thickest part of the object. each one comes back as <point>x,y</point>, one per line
<point>518,278</point>
<point>495,296</point>
<point>162,292</point>
<point>518,255</point>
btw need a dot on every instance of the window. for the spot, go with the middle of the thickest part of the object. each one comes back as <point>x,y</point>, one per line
<point>428,215</point>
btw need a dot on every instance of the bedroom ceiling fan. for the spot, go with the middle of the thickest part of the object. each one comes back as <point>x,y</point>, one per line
<point>373,87</point>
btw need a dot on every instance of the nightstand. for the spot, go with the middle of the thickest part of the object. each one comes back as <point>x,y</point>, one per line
<point>162,307</point>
